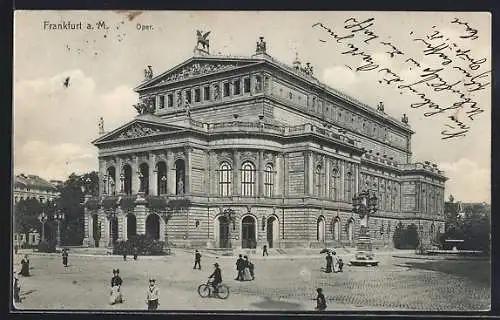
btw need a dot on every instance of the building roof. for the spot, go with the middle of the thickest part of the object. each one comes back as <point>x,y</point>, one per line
<point>33,182</point>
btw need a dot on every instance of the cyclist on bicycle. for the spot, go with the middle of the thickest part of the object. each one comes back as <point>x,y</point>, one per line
<point>217,277</point>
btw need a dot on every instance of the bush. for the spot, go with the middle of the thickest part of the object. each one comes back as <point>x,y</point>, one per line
<point>406,238</point>
<point>47,246</point>
<point>145,246</point>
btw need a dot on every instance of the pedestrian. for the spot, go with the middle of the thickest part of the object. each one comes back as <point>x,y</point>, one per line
<point>240,267</point>
<point>116,284</point>
<point>16,248</point>
<point>25,266</point>
<point>65,257</point>
<point>246,270</point>
<point>250,267</point>
<point>16,287</point>
<point>197,260</point>
<point>125,253</point>
<point>135,253</point>
<point>153,295</point>
<point>320,300</point>
<point>336,267</point>
<point>264,251</point>
<point>329,261</point>
<point>341,264</point>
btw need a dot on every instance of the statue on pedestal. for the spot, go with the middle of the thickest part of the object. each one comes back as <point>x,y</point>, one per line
<point>148,73</point>
<point>404,119</point>
<point>261,46</point>
<point>380,106</point>
<point>202,39</point>
<point>101,125</point>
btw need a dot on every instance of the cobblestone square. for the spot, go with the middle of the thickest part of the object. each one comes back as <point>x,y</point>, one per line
<point>281,283</point>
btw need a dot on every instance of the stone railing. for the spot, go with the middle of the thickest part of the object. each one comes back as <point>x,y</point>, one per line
<point>431,167</point>
<point>381,159</point>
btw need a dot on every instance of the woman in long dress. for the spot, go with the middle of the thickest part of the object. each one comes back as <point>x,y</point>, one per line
<point>116,284</point>
<point>336,262</point>
<point>247,276</point>
<point>25,266</point>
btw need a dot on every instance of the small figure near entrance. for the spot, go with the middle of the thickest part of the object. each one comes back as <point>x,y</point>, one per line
<point>329,262</point>
<point>197,260</point>
<point>320,300</point>
<point>240,267</point>
<point>25,266</point>
<point>216,276</point>
<point>153,295</point>
<point>336,263</point>
<point>65,257</point>
<point>116,284</point>
<point>125,254</point>
<point>16,287</point>
<point>264,251</point>
<point>136,252</point>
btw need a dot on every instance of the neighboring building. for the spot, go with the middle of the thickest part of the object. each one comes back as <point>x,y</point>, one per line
<point>264,140</point>
<point>32,186</point>
<point>31,238</point>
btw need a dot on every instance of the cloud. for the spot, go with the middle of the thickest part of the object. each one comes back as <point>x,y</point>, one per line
<point>54,125</point>
<point>468,182</point>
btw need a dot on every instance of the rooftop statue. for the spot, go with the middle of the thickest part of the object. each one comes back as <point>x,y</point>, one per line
<point>145,106</point>
<point>261,46</point>
<point>148,73</point>
<point>203,40</point>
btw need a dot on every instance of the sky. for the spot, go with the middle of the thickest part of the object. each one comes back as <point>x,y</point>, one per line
<point>54,124</point>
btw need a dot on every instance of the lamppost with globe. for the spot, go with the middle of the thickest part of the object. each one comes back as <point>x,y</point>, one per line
<point>364,205</point>
<point>163,189</point>
<point>58,216</point>
<point>42,217</point>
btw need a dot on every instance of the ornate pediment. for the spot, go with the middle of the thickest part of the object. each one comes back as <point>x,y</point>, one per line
<point>136,129</point>
<point>195,68</point>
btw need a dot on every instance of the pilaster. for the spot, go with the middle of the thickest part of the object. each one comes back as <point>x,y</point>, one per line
<point>260,175</point>
<point>278,176</point>
<point>236,173</point>
<point>187,184</point>
<point>140,215</point>
<point>326,192</point>
<point>170,173</point>
<point>135,177</point>
<point>153,176</point>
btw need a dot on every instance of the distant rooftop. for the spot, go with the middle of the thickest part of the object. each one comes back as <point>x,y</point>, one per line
<point>33,182</point>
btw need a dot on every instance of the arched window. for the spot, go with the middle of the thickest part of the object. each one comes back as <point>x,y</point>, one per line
<point>248,179</point>
<point>268,180</point>
<point>225,178</point>
<point>348,181</point>
<point>317,180</point>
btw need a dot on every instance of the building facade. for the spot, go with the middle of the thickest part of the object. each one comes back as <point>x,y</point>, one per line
<point>33,187</point>
<point>261,153</point>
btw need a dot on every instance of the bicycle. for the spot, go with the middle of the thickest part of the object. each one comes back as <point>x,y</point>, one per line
<point>206,290</point>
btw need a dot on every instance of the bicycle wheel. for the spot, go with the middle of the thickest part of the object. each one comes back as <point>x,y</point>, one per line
<point>223,291</point>
<point>204,290</point>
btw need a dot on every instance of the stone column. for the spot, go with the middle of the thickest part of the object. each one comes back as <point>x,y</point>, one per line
<point>140,215</point>
<point>278,175</point>
<point>170,173</point>
<point>326,193</point>
<point>236,173</point>
<point>119,168</point>
<point>206,173</point>
<point>310,173</point>
<point>135,177</point>
<point>87,229</point>
<point>153,175</point>
<point>102,173</point>
<point>212,173</point>
<point>119,220</point>
<point>342,181</point>
<point>260,174</point>
<point>122,225</point>
<point>356,179</point>
<point>104,222</point>
<point>187,184</point>
<point>285,176</point>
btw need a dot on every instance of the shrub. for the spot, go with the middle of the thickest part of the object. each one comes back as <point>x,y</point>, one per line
<point>47,246</point>
<point>406,238</point>
<point>144,245</point>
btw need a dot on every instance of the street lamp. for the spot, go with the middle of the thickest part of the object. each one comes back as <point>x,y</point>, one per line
<point>59,216</point>
<point>42,217</point>
<point>86,185</point>
<point>163,185</point>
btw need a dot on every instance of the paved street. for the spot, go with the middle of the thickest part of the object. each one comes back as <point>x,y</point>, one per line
<point>281,284</point>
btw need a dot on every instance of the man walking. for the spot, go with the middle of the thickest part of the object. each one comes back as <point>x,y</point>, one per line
<point>240,267</point>
<point>153,295</point>
<point>329,261</point>
<point>197,260</point>
<point>264,251</point>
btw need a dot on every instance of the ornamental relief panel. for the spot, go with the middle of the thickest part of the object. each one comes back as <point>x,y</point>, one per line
<point>197,69</point>
<point>248,155</point>
<point>137,130</point>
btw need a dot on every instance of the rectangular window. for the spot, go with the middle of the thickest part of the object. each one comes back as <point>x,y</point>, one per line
<point>226,89</point>
<point>246,85</point>
<point>170,101</point>
<point>197,95</point>
<point>162,102</point>
<point>188,96</point>
<point>237,89</point>
<point>206,93</point>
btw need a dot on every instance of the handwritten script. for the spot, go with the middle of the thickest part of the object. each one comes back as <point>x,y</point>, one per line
<point>440,74</point>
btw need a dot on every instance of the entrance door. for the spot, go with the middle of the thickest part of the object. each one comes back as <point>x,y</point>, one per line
<point>320,235</point>
<point>223,232</point>
<point>248,233</point>
<point>272,231</point>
